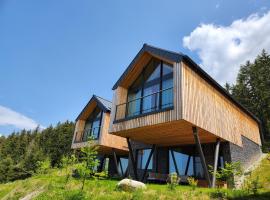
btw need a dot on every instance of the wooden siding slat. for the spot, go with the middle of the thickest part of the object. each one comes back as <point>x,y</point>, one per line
<point>207,108</point>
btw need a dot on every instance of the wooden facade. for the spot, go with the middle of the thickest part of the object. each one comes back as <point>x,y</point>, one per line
<point>196,103</point>
<point>106,142</point>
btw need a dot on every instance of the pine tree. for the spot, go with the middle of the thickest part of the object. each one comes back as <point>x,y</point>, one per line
<point>252,89</point>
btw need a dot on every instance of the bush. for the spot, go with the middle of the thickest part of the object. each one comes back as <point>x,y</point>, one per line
<point>43,166</point>
<point>173,181</point>
<point>252,186</point>
<point>192,182</point>
<point>228,171</point>
<point>218,194</point>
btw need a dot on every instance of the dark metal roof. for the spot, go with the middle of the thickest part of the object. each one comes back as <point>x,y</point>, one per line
<point>177,57</point>
<point>102,103</point>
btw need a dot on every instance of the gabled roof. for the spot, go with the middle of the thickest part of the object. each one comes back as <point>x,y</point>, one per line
<point>102,103</point>
<point>168,55</point>
<point>177,57</point>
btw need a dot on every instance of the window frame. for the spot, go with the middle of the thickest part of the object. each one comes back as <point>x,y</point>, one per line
<point>144,85</point>
<point>91,121</point>
<point>137,157</point>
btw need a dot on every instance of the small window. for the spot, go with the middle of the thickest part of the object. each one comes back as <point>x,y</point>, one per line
<point>142,157</point>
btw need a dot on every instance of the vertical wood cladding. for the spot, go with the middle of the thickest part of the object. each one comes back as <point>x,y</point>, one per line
<point>207,108</point>
<point>105,139</point>
<point>120,96</point>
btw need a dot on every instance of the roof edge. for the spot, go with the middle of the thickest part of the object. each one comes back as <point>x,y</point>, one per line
<point>100,104</point>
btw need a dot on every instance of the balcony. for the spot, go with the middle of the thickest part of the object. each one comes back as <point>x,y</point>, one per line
<point>85,135</point>
<point>148,104</point>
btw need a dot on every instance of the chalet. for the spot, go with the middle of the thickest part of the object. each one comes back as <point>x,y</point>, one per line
<point>176,118</point>
<point>93,121</point>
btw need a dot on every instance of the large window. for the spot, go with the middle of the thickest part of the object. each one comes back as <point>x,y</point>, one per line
<point>152,90</point>
<point>142,157</point>
<point>92,125</point>
<point>188,164</point>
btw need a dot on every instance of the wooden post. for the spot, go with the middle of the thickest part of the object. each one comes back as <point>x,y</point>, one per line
<point>174,162</point>
<point>188,161</point>
<point>133,162</point>
<point>148,161</point>
<point>115,162</point>
<point>215,163</point>
<point>199,147</point>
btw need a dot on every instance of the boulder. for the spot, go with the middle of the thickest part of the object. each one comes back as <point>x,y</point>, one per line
<point>130,185</point>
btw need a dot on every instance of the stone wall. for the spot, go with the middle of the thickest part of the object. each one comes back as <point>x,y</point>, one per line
<point>249,153</point>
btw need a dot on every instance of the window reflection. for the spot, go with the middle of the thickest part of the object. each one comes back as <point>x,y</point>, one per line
<point>142,156</point>
<point>152,90</point>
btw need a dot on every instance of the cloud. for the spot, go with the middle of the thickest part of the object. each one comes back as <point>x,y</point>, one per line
<point>222,49</point>
<point>9,117</point>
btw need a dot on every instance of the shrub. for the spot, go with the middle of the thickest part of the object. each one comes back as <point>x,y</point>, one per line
<point>173,180</point>
<point>227,173</point>
<point>89,162</point>
<point>66,163</point>
<point>43,166</point>
<point>218,194</point>
<point>192,182</point>
<point>252,186</point>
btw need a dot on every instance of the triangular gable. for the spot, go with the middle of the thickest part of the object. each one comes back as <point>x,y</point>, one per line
<point>103,104</point>
<point>143,57</point>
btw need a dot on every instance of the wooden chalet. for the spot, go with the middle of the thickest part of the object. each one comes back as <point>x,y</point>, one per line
<point>176,118</point>
<point>93,123</point>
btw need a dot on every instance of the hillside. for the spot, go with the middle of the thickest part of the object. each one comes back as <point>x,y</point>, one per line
<point>52,186</point>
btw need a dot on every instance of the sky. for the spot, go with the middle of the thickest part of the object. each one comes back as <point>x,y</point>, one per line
<point>54,55</point>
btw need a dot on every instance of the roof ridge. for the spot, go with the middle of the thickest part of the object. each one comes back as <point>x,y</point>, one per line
<point>102,98</point>
<point>151,46</point>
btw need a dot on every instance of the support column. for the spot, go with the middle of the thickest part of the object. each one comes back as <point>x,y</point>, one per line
<point>199,147</point>
<point>115,162</point>
<point>215,163</point>
<point>134,165</point>
<point>148,161</point>
<point>174,162</point>
<point>188,161</point>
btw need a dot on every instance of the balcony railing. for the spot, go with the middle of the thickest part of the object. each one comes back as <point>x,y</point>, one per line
<point>154,102</point>
<point>85,135</point>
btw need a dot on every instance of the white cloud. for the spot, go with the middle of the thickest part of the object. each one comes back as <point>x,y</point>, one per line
<point>9,117</point>
<point>222,49</point>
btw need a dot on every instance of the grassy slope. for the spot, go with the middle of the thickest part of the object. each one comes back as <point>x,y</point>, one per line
<point>54,188</point>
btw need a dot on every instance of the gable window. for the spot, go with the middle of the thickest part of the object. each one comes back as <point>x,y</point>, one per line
<point>92,125</point>
<point>152,90</point>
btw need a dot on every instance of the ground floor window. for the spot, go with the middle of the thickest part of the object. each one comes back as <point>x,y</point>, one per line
<point>124,165</point>
<point>142,157</point>
<point>188,163</point>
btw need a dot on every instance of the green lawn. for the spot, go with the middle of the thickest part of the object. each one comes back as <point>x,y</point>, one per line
<point>52,186</point>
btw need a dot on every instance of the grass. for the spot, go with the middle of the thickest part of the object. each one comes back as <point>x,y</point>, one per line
<point>53,187</point>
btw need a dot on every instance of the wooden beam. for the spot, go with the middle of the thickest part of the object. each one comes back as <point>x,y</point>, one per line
<point>199,147</point>
<point>148,161</point>
<point>115,162</point>
<point>133,162</point>
<point>174,162</point>
<point>215,163</point>
<point>187,166</point>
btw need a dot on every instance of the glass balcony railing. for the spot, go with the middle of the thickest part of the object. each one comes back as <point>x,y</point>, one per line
<point>149,103</point>
<point>85,135</point>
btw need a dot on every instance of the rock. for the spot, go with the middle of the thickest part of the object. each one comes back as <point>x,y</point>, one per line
<point>130,185</point>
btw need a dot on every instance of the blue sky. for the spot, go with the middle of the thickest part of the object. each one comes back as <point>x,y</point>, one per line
<point>55,54</point>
